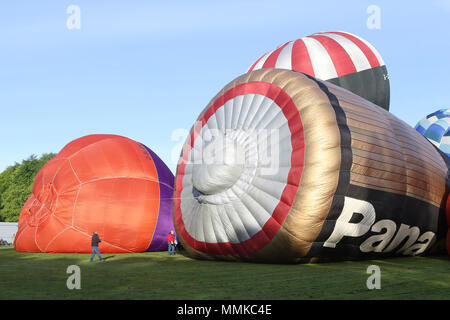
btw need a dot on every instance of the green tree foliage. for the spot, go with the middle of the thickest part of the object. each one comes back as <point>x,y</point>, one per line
<point>16,184</point>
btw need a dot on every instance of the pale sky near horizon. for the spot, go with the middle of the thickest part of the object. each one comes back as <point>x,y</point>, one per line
<point>146,69</point>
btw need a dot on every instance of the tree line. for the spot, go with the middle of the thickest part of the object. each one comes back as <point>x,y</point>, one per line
<point>16,184</point>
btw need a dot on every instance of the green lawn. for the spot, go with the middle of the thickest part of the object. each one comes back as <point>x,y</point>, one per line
<point>158,276</point>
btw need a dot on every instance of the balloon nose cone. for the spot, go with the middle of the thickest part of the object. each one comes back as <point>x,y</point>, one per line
<point>220,166</point>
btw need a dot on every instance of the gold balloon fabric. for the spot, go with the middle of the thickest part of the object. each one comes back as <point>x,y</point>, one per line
<point>281,167</point>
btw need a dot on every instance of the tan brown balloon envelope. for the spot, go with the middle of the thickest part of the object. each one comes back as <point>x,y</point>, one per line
<point>281,167</point>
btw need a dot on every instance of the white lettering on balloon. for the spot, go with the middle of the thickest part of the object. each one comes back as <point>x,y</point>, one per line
<point>407,240</point>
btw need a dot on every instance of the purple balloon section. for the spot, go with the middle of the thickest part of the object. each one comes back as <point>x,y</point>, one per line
<point>165,223</point>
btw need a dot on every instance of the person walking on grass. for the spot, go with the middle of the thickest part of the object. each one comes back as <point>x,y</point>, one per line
<point>94,243</point>
<point>171,243</point>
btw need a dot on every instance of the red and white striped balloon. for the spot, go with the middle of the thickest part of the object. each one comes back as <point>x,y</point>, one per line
<point>338,57</point>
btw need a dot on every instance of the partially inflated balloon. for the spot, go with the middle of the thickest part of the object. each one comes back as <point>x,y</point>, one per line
<point>282,167</point>
<point>107,183</point>
<point>341,58</point>
<point>436,128</point>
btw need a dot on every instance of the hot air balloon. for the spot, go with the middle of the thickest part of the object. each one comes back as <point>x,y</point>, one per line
<point>282,167</point>
<point>341,58</point>
<point>435,127</point>
<point>107,183</point>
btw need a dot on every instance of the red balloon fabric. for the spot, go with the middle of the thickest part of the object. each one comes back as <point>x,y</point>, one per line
<point>104,183</point>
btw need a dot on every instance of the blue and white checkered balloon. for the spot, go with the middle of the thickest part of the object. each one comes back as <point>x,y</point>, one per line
<point>436,128</point>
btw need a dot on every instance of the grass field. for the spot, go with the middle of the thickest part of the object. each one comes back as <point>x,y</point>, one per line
<point>159,276</point>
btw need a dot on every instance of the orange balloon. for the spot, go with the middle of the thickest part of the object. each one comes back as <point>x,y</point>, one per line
<point>105,183</point>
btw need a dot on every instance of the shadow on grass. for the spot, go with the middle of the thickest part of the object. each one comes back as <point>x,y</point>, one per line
<point>108,257</point>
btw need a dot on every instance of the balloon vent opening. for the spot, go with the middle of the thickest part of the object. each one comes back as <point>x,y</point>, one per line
<point>220,165</point>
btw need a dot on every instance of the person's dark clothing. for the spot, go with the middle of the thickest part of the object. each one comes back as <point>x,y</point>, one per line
<point>95,240</point>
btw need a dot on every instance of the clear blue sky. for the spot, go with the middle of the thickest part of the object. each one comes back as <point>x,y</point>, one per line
<point>143,69</point>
